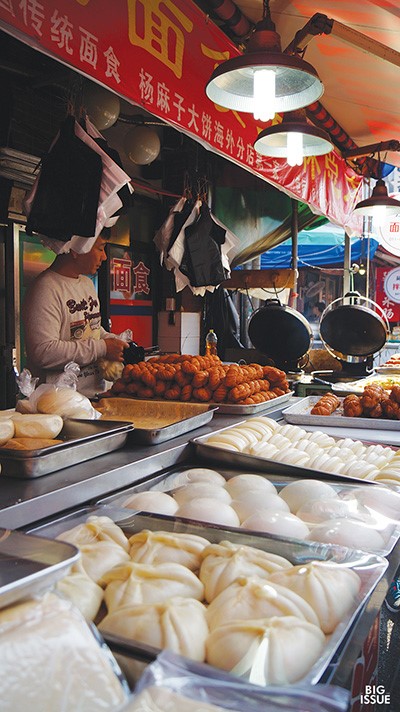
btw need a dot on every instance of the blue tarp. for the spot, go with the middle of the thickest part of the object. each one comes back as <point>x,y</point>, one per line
<point>320,247</point>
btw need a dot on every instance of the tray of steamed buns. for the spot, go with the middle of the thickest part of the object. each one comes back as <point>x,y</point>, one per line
<point>356,516</point>
<point>269,610</point>
<point>263,444</point>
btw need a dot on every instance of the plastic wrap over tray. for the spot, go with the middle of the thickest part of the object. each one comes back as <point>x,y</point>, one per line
<point>386,522</point>
<point>369,567</point>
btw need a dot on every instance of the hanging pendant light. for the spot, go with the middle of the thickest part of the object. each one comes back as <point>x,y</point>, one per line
<point>264,80</point>
<point>293,139</point>
<point>379,206</point>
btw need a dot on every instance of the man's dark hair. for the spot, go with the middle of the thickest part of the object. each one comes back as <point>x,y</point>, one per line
<point>320,306</point>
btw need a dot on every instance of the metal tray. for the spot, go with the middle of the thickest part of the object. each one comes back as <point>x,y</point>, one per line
<point>156,421</point>
<point>235,409</point>
<point>169,480</point>
<point>252,463</point>
<point>384,380</point>
<point>300,414</point>
<point>369,567</point>
<point>83,440</point>
<point>221,408</point>
<point>388,369</point>
<point>30,564</point>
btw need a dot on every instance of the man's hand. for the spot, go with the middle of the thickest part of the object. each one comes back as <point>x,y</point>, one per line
<point>115,349</point>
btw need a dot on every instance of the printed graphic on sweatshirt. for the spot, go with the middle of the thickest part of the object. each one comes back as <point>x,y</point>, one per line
<point>87,323</point>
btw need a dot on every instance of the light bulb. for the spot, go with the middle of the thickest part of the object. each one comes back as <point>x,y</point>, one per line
<point>379,215</point>
<point>294,148</point>
<point>264,94</point>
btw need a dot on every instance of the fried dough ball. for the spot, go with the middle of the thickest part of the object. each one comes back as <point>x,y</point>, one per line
<point>391,409</point>
<point>371,397</point>
<point>186,393</point>
<point>352,406</point>
<point>395,394</point>
<point>200,379</point>
<point>274,374</point>
<point>220,394</point>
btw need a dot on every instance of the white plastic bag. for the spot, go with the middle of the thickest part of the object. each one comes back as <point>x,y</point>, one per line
<point>112,370</point>
<point>58,398</point>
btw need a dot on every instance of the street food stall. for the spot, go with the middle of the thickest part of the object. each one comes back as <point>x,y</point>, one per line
<point>251,488</point>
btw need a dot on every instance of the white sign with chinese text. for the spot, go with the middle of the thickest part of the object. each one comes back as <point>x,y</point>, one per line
<point>392,285</point>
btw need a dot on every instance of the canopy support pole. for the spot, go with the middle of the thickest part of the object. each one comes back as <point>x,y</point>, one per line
<point>295,233</point>
<point>346,264</point>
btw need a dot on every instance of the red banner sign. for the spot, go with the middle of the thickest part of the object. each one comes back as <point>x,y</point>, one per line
<point>159,54</point>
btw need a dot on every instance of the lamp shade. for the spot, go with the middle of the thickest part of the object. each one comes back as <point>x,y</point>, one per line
<point>142,145</point>
<point>101,105</point>
<point>264,75</point>
<point>379,202</point>
<point>275,141</point>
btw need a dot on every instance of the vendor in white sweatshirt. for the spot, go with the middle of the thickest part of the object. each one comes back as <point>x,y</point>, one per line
<point>62,322</point>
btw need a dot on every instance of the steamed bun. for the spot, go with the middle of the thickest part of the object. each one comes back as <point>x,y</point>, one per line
<point>178,624</point>
<point>240,484</point>
<point>267,651</point>
<point>223,563</point>
<point>134,584</point>
<point>251,597</point>
<point>198,474</point>
<point>298,493</point>
<point>197,490</point>
<point>152,501</point>
<point>206,509</point>
<point>246,505</point>
<point>82,591</point>
<point>348,532</point>
<point>329,588</point>
<point>148,547</point>
<point>276,522</point>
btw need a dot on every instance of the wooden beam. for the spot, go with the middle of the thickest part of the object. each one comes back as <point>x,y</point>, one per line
<point>260,278</point>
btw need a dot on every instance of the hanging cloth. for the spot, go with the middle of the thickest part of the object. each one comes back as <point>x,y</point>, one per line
<point>201,261</point>
<point>126,191</point>
<point>163,235</point>
<point>112,180</point>
<point>66,194</point>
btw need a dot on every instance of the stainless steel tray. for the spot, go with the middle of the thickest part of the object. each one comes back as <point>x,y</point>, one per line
<point>30,564</point>
<point>168,481</point>
<point>223,408</point>
<point>156,421</point>
<point>369,567</point>
<point>300,414</point>
<point>235,409</point>
<point>251,463</point>
<point>82,440</point>
<point>387,381</point>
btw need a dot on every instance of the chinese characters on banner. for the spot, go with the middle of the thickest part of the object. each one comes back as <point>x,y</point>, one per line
<point>387,293</point>
<point>160,54</point>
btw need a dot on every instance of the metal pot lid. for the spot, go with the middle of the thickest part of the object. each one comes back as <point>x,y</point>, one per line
<point>352,330</point>
<point>280,332</point>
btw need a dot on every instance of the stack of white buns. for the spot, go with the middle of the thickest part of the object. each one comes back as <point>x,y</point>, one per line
<point>237,607</point>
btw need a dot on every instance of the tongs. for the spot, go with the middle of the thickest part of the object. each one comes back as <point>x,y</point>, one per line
<point>135,353</point>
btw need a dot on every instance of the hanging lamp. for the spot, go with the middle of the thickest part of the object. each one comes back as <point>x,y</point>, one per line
<point>379,205</point>
<point>293,139</point>
<point>264,80</point>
